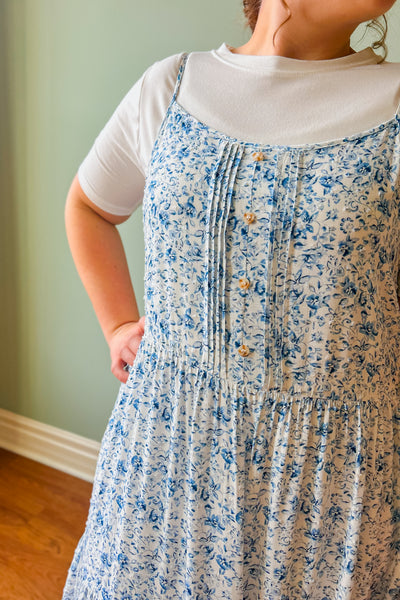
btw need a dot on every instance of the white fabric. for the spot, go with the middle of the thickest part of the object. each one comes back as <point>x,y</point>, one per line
<point>263,99</point>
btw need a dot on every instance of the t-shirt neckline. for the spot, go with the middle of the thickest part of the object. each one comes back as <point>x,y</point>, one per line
<point>283,64</point>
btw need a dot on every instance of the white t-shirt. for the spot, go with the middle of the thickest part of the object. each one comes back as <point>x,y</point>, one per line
<point>262,99</point>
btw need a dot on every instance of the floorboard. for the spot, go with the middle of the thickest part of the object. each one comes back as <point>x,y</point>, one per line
<point>42,516</point>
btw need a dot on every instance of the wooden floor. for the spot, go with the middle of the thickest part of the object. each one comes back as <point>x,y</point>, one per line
<point>42,516</point>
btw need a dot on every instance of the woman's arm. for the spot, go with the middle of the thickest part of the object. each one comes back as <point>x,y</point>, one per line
<point>100,260</point>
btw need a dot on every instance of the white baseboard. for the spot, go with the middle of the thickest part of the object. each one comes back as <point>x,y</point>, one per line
<point>65,451</point>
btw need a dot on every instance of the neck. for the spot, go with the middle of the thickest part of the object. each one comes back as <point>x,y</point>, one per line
<point>296,38</point>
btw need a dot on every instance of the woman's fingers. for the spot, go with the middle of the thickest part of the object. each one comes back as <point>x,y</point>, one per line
<point>117,369</point>
<point>124,346</point>
<point>128,356</point>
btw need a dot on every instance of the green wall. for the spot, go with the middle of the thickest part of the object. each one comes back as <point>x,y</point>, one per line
<point>64,67</point>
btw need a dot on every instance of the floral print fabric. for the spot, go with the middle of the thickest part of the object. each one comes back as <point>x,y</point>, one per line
<point>254,452</point>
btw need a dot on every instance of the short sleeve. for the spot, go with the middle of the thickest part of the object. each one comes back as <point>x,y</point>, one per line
<point>112,174</point>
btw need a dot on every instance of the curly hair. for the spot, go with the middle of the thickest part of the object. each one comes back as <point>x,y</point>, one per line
<point>251,9</point>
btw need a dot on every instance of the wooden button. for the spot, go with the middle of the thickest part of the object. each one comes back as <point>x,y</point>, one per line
<point>258,156</point>
<point>244,350</point>
<point>249,217</point>
<point>244,283</point>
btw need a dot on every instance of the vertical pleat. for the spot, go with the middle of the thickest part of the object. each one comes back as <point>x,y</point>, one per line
<point>235,154</point>
<point>208,261</point>
<point>288,207</point>
<point>269,279</point>
<point>219,199</point>
<point>277,273</point>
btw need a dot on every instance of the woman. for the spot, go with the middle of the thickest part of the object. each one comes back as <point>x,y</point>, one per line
<point>253,451</point>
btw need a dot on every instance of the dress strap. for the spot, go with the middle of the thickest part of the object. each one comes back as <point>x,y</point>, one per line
<point>182,65</point>
<point>398,111</point>
<point>169,109</point>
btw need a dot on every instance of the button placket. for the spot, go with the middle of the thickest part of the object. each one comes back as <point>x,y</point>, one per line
<point>244,281</point>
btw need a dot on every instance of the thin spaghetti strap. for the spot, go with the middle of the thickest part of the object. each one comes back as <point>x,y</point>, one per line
<point>398,111</point>
<point>169,109</point>
<point>179,76</point>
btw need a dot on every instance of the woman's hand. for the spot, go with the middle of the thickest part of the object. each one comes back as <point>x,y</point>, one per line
<point>124,343</point>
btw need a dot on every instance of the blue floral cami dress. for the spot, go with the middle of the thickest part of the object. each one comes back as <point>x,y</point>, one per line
<point>254,452</point>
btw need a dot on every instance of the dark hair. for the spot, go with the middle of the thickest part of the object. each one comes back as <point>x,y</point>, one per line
<point>251,9</point>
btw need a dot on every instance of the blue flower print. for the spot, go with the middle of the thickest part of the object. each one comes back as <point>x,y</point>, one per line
<point>254,451</point>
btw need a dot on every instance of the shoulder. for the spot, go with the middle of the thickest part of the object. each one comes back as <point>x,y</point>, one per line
<point>148,97</point>
<point>389,65</point>
<point>153,96</point>
<point>388,69</point>
<point>387,80</point>
<point>164,70</point>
